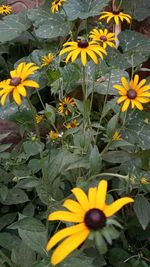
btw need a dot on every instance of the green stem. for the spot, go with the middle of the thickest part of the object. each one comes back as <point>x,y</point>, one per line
<point>124,177</point>
<point>84,83</point>
<point>118,7</point>
<point>39,96</point>
<point>6,259</point>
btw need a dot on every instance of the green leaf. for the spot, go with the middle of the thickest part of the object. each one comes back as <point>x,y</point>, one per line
<point>12,26</point>
<point>48,26</point>
<point>100,242</point>
<point>28,224</point>
<point>3,192</point>
<point>4,147</point>
<point>70,74</point>
<point>33,148</point>
<point>15,196</point>
<point>84,8</point>
<point>95,161</point>
<point>111,126</point>
<point>9,241</point>
<point>7,219</point>
<point>116,156</point>
<point>142,210</point>
<point>50,113</point>
<point>23,256</point>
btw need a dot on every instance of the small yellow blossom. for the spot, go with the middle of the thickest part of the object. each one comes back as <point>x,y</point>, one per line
<point>53,135</point>
<point>5,9</point>
<point>117,16</point>
<point>104,37</point>
<point>56,4</point>
<point>144,181</point>
<point>65,105</point>
<point>72,124</point>
<point>46,60</point>
<point>116,136</point>
<point>38,118</point>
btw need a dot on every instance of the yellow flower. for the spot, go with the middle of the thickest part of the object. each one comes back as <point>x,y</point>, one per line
<point>84,48</point>
<point>89,212</point>
<point>116,16</point>
<point>5,9</point>
<point>19,79</point>
<point>56,4</point>
<point>103,36</point>
<point>116,136</point>
<point>133,93</point>
<point>65,104</point>
<point>38,118</point>
<point>46,60</point>
<point>144,181</point>
<point>53,135</point>
<point>72,124</point>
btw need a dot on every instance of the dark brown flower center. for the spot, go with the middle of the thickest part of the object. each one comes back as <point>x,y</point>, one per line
<point>65,105</point>
<point>15,81</point>
<point>83,44</point>
<point>56,2</point>
<point>103,38</point>
<point>116,12</point>
<point>95,219</point>
<point>131,94</point>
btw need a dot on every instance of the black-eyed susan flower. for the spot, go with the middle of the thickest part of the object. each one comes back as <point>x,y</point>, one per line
<point>72,124</point>
<point>46,60</point>
<point>53,135</point>
<point>5,9</point>
<point>38,118</point>
<point>133,93</point>
<point>103,36</point>
<point>116,16</point>
<point>56,4</point>
<point>116,136</point>
<point>18,81</point>
<point>90,213</point>
<point>65,106</point>
<point>84,48</point>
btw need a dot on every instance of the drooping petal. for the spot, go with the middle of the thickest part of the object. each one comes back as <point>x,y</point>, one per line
<point>73,206</point>
<point>65,216</point>
<point>93,56</point>
<point>3,99</point>
<point>75,55</point>
<point>21,90</point>
<point>30,83</point>
<point>64,233</point>
<point>83,57</point>
<point>125,105</point>
<point>116,18</point>
<point>81,197</point>
<point>68,245</point>
<point>16,97</point>
<point>117,205</point>
<point>101,195</point>
<point>92,197</point>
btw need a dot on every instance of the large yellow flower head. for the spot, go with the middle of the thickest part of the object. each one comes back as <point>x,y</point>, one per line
<point>56,4</point>
<point>17,83</point>
<point>116,16</point>
<point>91,214</point>
<point>103,36</point>
<point>65,105</point>
<point>133,93</point>
<point>84,48</point>
<point>46,60</point>
<point>5,9</point>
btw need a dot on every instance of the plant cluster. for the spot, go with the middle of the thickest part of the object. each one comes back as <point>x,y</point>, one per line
<point>74,152</point>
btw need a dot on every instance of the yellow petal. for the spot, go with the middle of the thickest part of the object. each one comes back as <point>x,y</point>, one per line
<point>64,233</point>
<point>83,57</point>
<point>116,206</point>
<point>147,94</point>
<point>138,104</point>
<point>73,206</point>
<point>125,83</point>
<point>120,88</point>
<point>81,197</point>
<point>68,245</point>
<point>13,74</point>
<point>101,195</point>
<point>144,88</point>
<point>3,99</point>
<point>116,18</point>
<point>121,99</point>
<point>75,55</point>
<point>30,83</point>
<point>92,197</point>
<point>65,216</point>
<point>141,83</point>
<point>67,49</point>
<point>143,99</point>
<point>21,90</point>
<point>93,56</point>
<point>16,97</point>
<point>136,80</point>
<point>19,68</point>
<point>125,105</point>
